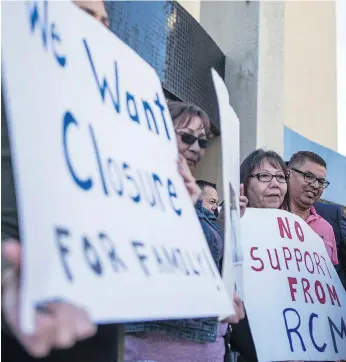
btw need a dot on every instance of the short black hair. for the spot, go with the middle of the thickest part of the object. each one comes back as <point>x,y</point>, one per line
<point>299,158</point>
<point>256,158</point>
<point>203,184</point>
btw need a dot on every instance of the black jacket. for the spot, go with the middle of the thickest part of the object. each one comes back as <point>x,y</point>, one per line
<point>335,216</point>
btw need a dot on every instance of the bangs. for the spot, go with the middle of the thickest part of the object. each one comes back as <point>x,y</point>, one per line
<point>182,114</point>
<point>272,158</point>
<point>275,162</point>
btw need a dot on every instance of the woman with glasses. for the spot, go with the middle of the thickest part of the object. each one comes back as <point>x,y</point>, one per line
<point>270,183</point>
<point>264,175</point>
<point>194,339</point>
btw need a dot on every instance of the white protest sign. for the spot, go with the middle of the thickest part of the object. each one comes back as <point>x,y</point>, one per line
<point>105,218</point>
<point>295,302</point>
<point>229,124</point>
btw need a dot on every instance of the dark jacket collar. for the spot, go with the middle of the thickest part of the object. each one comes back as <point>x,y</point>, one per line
<point>203,212</point>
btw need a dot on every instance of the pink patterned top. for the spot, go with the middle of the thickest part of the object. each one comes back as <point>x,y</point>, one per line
<point>160,347</point>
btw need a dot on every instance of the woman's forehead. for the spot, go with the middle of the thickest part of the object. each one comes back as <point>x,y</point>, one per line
<point>193,124</point>
<point>268,164</point>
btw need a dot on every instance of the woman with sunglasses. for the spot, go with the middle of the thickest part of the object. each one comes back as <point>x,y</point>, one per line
<point>194,339</point>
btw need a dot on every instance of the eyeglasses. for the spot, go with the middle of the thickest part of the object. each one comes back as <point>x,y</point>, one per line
<point>267,177</point>
<point>190,139</point>
<point>311,178</point>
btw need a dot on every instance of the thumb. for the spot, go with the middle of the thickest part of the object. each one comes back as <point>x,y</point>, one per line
<point>11,252</point>
<point>241,189</point>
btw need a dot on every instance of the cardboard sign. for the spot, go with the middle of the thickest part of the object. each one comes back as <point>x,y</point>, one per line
<point>105,219</point>
<point>233,255</point>
<point>294,299</point>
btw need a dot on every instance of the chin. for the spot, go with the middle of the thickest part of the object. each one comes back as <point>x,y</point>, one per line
<point>308,201</point>
<point>273,205</point>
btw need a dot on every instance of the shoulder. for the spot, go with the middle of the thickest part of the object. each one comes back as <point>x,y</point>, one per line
<point>323,208</point>
<point>325,223</point>
<point>323,205</point>
<point>327,228</point>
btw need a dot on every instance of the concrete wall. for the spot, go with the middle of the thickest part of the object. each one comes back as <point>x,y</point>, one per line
<point>234,27</point>
<point>341,73</point>
<point>280,71</point>
<point>270,88</point>
<point>310,70</point>
<point>251,36</point>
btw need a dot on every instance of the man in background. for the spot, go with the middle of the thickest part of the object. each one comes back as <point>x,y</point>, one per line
<point>335,216</point>
<point>308,173</point>
<point>209,197</point>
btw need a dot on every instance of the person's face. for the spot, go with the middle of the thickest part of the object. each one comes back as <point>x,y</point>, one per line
<point>302,193</point>
<point>210,198</point>
<point>95,8</point>
<point>267,195</point>
<point>193,152</point>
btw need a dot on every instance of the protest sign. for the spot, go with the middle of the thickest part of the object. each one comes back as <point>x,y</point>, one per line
<point>229,124</point>
<point>105,219</point>
<point>294,299</point>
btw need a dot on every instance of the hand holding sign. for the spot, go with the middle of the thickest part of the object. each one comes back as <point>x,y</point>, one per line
<point>57,325</point>
<point>239,311</point>
<point>243,200</point>
<point>189,180</point>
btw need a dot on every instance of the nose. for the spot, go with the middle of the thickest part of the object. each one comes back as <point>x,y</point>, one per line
<point>315,184</point>
<point>274,182</point>
<point>195,147</point>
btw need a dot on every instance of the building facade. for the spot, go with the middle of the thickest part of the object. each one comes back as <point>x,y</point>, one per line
<point>281,62</point>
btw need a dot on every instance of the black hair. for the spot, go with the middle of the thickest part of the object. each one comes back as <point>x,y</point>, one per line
<point>256,158</point>
<point>299,158</point>
<point>203,184</point>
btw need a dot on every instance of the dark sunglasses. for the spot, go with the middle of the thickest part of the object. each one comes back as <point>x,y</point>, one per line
<point>190,139</point>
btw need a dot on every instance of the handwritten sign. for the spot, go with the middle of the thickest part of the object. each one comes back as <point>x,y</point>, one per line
<point>233,256</point>
<point>294,299</point>
<point>105,219</point>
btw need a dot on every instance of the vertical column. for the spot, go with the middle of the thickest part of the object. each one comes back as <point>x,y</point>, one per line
<point>234,26</point>
<point>251,35</point>
<point>270,85</point>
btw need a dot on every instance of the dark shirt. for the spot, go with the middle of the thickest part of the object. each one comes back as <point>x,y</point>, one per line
<point>335,216</point>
